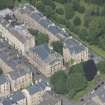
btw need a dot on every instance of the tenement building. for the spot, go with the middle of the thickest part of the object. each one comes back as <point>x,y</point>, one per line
<point>35,93</point>
<point>20,79</point>
<point>36,20</point>
<point>11,60</point>
<point>4,86</point>
<point>15,33</point>
<point>45,59</point>
<point>74,52</point>
<point>16,98</point>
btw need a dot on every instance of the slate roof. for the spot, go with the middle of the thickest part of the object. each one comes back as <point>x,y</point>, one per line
<point>50,100</point>
<point>13,98</point>
<point>5,12</point>
<point>42,50</point>
<point>19,73</point>
<point>16,29</point>
<point>46,54</point>
<point>44,21</point>
<point>3,79</point>
<point>37,87</point>
<point>74,46</point>
<point>12,58</point>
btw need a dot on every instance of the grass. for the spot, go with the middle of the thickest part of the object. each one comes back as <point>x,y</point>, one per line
<point>90,87</point>
<point>97,50</point>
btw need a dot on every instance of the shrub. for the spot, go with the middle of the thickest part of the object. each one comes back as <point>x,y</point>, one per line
<point>77,21</point>
<point>60,11</point>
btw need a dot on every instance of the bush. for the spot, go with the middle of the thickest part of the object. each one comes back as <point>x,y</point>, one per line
<point>76,5</point>
<point>58,47</point>
<point>101,67</point>
<point>60,11</point>
<point>58,80</point>
<point>40,38</point>
<point>59,19</point>
<point>83,34</point>
<point>48,11</point>
<point>81,9</point>
<point>77,21</point>
<point>69,12</point>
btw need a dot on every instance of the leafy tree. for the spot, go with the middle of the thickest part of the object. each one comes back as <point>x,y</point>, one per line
<point>61,1</point>
<point>83,34</point>
<point>48,11</point>
<point>7,4</point>
<point>96,29</point>
<point>76,82</point>
<point>58,80</point>
<point>81,9</point>
<point>76,5</point>
<point>40,38</point>
<point>60,11</point>
<point>77,21</point>
<point>58,47</point>
<point>101,67</point>
<point>69,12</point>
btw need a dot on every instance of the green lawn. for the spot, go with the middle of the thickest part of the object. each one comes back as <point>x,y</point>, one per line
<point>97,50</point>
<point>90,87</point>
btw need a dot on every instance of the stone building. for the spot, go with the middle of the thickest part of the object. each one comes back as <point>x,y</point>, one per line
<point>20,79</point>
<point>74,52</point>
<point>34,19</point>
<point>45,59</point>
<point>15,33</point>
<point>16,98</point>
<point>4,85</point>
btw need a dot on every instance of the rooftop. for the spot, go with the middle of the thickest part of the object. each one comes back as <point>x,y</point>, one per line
<point>12,58</point>
<point>43,20</point>
<point>16,74</point>
<point>4,12</point>
<point>17,29</point>
<point>49,100</point>
<point>3,79</point>
<point>37,87</point>
<point>13,98</point>
<point>74,45</point>
<point>46,54</point>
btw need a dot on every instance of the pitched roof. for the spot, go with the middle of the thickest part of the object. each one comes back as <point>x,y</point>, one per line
<point>74,46</point>
<point>14,98</point>
<point>46,54</point>
<point>3,79</point>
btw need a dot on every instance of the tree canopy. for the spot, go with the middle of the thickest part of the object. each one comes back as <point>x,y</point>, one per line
<point>58,47</point>
<point>58,80</point>
<point>40,38</point>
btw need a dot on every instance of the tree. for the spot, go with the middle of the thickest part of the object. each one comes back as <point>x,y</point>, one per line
<point>69,12</point>
<point>58,47</point>
<point>7,4</point>
<point>58,81</point>
<point>96,29</point>
<point>76,5</point>
<point>101,67</point>
<point>77,21</point>
<point>81,9</point>
<point>83,34</point>
<point>60,11</point>
<point>40,38</point>
<point>61,1</point>
<point>76,82</point>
